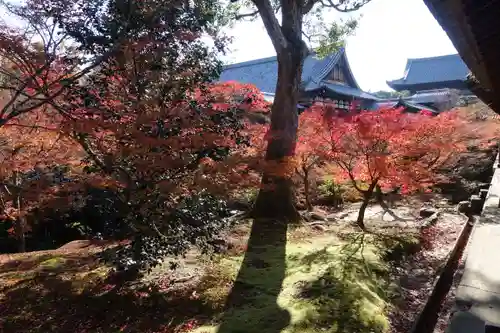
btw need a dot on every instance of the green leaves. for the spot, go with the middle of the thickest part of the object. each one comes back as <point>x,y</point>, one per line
<point>331,38</point>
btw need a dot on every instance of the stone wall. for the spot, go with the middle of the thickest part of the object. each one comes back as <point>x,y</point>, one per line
<point>477,300</point>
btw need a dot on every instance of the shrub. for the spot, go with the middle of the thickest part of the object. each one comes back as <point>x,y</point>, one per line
<point>197,220</point>
<point>339,193</point>
<point>332,192</point>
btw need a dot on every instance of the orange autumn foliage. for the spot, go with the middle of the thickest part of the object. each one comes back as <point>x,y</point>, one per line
<point>166,151</point>
<point>30,146</point>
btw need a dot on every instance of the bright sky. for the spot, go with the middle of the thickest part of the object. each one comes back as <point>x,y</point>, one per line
<point>390,31</point>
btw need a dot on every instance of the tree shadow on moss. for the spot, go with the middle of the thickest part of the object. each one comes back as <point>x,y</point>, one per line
<point>352,293</point>
<point>343,304</point>
<point>252,302</point>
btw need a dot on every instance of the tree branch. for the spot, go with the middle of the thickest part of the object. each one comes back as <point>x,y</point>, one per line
<point>345,9</point>
<point>309,4</point>
<point>244,15</point>
<point>272,25</point>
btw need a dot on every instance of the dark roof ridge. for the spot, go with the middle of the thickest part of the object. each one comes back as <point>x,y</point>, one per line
<point>264,60</point>
<point>454,55</point>
<point>250,62</point>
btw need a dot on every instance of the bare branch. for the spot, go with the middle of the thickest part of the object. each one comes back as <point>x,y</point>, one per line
<point>245,15</point>
<point>308,37</point>
<point>343,6</point>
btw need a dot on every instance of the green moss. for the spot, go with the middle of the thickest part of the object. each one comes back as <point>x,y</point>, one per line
<point>395,248</point>
<point>329,286</point>
<point>52,263</point>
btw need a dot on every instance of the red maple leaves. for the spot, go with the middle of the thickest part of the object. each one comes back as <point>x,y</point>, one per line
<point>387,147</point>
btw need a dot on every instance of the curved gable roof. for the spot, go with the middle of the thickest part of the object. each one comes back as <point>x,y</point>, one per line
<point>263,73</point>
<point>433,69</point>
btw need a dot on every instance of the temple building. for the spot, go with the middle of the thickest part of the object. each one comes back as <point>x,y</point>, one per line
<point>329,78</point>
<point>423,74</point>
<point>439,82</point>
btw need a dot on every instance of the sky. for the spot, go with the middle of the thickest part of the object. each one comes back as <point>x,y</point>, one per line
<point>389,32</point>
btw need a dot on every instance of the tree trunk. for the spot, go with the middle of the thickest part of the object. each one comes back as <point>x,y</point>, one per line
<point>379,195</point>
<point>276,197</point>
<point>307,190</point>
<point>361,214</point>
<point>19,230</point>
<point>367,195</point>
<point>20,220</point>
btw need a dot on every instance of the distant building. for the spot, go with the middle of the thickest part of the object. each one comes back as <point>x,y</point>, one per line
<point>443,72</point>
<point>329,78</point>
<point>435,82</point>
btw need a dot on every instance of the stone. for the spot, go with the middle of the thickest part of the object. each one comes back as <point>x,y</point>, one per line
<point>484,186</point>
<point>219,245</point>
<point>319,227</point>
<point>427,212</point>
<point>465,322</point>
<point>331,217</point>
<point>463,207</point>
<point>476,204</point>
<point>306,216</point>
<point>430,220</point>
<point>343,216</point>
<point>444,202</point>
<point>319,214</point>
<point>314,216</point>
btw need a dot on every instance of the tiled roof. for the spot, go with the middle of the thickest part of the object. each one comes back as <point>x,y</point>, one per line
<point>340,89</point>
<point>417,106</point>
<point>433,69</point>
<point>263,72</point>
<point>433,96</point>
<point>402,103</point>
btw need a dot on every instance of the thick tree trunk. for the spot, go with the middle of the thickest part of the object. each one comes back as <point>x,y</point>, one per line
<point>276,197</point>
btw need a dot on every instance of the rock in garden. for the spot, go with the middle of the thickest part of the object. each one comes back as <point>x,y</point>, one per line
<point>219,245</point>
<point>444,203</point>
<point>315,215</point>
<point>427,211</point>
<point>301,205</point>
<point>319,227</point>
<point>463,207</point>
<point>430,220</point>
<point>306,216</point>
<point>343,216</point>
<point>331,217</point>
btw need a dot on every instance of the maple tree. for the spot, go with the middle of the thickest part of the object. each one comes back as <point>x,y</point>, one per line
<point>36,159</point>
<point>57,44</point>
<point>130,83</point>
<point>310,150</point>
<point>167,156</point>
<point>387,149</point>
